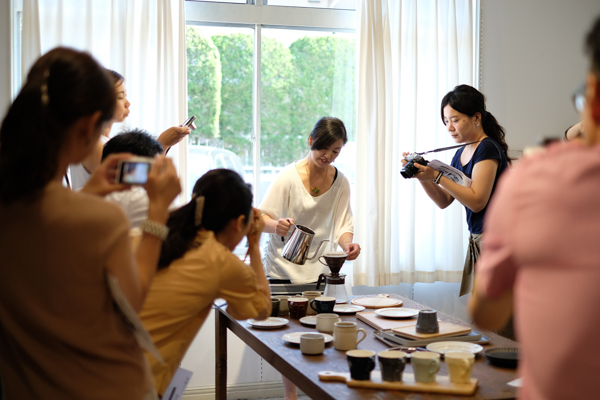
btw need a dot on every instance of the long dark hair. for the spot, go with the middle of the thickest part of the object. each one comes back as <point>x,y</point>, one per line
<point>63,86</point>
<point>226,197</point>
<point>326,132</point>
<point>469,101</point>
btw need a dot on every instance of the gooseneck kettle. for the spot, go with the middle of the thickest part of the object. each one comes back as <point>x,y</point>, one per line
<point>297,247</point>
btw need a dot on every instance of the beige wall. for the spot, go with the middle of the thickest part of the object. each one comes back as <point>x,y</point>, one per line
<point>532,60</point>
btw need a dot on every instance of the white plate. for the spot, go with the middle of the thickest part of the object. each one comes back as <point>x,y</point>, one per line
<point>347,308</point>
<point>309,320</point>
<point>449,347</point>
<point>269,323</point>
<point>397,312</point>
<point>294,337</point>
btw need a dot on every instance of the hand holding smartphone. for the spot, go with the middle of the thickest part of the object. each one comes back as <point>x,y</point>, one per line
<point>189,123</point>
<point>134,171</point>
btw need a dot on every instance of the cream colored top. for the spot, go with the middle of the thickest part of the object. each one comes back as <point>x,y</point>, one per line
<point>182,295</point>
<point>60,336</point>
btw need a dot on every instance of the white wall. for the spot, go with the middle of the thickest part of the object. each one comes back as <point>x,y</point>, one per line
<point>532,61</point>
<point>4,57</point>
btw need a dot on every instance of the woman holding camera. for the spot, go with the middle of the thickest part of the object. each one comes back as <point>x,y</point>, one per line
<point>483,158</point>
<point>197,266</point>
<point>61,335</point>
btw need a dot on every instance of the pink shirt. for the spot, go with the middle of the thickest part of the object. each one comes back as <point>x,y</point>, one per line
<point>542,238</point>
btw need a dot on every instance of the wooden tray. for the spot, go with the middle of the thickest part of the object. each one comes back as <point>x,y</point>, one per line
<point>381,301</point>
<point>446,329</point>
<point>379,323</point>
<point>442,383</point>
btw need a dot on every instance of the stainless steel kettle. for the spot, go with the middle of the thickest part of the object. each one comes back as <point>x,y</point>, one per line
<point>297,247</point>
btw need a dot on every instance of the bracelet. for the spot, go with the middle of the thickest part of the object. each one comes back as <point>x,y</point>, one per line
<point>155,228</point>
<point>437,178</point>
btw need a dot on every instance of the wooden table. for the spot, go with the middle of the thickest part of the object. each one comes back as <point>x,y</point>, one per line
<point>303,370</point>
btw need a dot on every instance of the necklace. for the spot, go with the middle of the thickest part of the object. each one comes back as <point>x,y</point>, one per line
<point>313,189</point>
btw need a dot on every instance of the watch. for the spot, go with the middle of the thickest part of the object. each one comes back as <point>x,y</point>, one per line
<point>437,178</point>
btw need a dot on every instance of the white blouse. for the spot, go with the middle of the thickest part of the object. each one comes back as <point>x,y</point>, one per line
<point>328,215</point>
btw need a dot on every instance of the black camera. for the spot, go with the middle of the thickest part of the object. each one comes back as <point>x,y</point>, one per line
<point>409,169</point>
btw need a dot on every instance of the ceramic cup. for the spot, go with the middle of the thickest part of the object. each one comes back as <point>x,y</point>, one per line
<point>312,343</point>
<point>425,365</point>
<point>361,363</point>
<point>325,322</point>
<point>283,305</point>
<point>274,307</point>
<point>297,306</point>
<point>345,335</point>
<point>460,365</point>
<point>310,295</point>
<point>323,304</point>
<point>427,322</point>
<point>391,364</point>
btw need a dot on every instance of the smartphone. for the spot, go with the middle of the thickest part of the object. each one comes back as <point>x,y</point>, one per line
<point>134,171</point>
<point>189,123</point>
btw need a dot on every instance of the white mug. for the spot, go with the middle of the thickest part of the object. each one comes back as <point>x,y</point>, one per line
<point>310,295</point>
<point>283,305</point>
<point>425,365</point>
<point>312,343</point>
<point>460,365</point>
<point>345,335</point>
<point>325,322</point>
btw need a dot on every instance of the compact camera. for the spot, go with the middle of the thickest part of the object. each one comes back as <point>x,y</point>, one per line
<point>134,171</point>
<point>189,123</point>
<point>409,169</point>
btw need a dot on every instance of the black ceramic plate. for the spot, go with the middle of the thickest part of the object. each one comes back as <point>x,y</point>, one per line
<point>506,357</point>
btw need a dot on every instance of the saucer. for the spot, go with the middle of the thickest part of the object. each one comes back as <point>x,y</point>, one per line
<point>309,320</point>
<point>507,357</point>
<point>453,346</point>
<point>294,337</point>
<point>397,312</point>
<point>269,323</point>
<point>347,309</point>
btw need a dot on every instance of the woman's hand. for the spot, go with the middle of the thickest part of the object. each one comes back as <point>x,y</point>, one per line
<point>163,184</point>
<point>256,229</point>
<point>352,249</point>
<point>102,181</point>
<point>425,173</point>
<point>403,161</point>
<point>172,136</point>
<point>283,226</point>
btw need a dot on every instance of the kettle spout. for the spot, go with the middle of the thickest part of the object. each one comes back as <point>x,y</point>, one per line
<point>318,248</point>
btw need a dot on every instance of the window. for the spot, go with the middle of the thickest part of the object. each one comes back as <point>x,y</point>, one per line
<point>255,113</point>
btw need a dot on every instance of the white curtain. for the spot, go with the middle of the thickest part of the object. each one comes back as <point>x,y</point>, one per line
<point>142,40</point>
<point>410,54</point>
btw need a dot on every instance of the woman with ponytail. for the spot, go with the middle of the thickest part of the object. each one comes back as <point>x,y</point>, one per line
<point>483,158</point>
<point>66,256</point>
<point>197,266</point>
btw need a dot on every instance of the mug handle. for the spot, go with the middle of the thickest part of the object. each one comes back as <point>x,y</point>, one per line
<point>312,306</point>
<point>364,336</point>
<point>321,261</point>
<point>435,367</point>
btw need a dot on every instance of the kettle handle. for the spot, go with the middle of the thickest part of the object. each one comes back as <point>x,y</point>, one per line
<point>318,248</point>
<point>321,279</point>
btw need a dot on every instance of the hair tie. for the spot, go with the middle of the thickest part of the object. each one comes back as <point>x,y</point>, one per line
<point>44,88</point>
<point>199,210</point>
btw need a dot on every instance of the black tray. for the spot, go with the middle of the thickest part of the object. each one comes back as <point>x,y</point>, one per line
<point>507,357</point>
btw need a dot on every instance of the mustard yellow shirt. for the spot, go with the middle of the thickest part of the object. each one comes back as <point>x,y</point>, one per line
<point>181,297</point>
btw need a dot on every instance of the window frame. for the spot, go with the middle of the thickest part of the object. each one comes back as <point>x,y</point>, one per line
<point>257,16</point>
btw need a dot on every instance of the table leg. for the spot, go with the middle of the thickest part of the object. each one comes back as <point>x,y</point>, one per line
<point>220,355</point>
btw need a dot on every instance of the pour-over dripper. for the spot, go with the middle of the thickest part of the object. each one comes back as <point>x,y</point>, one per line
<point>334,260</point>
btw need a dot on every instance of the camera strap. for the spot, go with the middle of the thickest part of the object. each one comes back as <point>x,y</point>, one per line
<point>448,148</point>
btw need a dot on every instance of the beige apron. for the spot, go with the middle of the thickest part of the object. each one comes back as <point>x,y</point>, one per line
<point>466,284</point>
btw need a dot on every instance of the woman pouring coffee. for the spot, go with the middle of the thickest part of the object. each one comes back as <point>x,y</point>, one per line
<point>313,193</point>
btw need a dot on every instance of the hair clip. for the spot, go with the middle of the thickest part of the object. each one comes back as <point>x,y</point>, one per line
<point>199,210</point>
<point>44,88</point>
